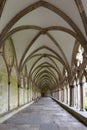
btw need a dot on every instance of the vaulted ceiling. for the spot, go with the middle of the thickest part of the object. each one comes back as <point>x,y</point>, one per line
<point>44,34</point>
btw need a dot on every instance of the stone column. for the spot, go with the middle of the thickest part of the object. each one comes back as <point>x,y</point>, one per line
<point>27,90</point>
<point>71,95</point>
<point>81,97</point>
<point>67,95</point>
<point>58,94</point>
<point>18,95</point>
<point>54,94</point>
<point>9,85</point>
<point>23,91</point>
<point>8,95</point>
<point>77,96</point>
<point>62,95</point>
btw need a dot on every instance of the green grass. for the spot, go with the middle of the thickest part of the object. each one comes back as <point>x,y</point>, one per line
<point>85,102</point>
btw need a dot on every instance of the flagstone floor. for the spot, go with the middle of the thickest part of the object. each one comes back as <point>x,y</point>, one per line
<point>45,114</point>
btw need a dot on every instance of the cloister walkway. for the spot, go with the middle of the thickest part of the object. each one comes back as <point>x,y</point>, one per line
<point>44,114</point>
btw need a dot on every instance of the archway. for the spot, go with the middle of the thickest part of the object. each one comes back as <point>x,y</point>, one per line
<point>3,86</point>
<point>13,89</point>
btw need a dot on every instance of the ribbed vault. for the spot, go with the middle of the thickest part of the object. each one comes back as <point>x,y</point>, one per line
<point>44,34</point>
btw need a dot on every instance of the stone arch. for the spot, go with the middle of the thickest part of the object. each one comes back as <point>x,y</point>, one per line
<point>3,86</point>
<point>45,5</point>
<point>13,89</point>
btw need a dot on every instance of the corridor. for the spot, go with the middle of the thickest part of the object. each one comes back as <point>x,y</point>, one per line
<point>44,114</point>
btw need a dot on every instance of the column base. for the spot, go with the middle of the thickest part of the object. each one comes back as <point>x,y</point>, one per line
<point>82,109</point>
<point>71,105</point>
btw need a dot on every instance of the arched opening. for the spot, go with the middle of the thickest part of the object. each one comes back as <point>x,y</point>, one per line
<point>13,89</point>
<point>84,92</point>
<point>21,100</point>
<point>3,86</point>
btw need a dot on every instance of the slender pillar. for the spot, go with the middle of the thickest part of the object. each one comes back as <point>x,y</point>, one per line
<point>18,95</point>
<point>8,95</point>
<point>75,93</point>
<point>9,85</point>
<point>28,95</point>
<point>71,95</point>
<point>67,95</point>
<point>51,94</point>
<point>81,97</point>
<point>77,96</point>
<point>58,95</point>
<point>62,95</point>
<point>23,90</point>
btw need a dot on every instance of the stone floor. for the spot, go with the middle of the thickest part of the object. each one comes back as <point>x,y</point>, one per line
<point>44,114</point>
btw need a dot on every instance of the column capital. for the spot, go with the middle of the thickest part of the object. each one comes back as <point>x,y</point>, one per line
<point>77,84</point>
<point>9,82</point>
<point>71,86</point>
<point>18,85</point>
<point>81,84</point>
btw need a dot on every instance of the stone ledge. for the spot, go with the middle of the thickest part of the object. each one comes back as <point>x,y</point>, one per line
<point>13,112</point>
<point>76,114</point>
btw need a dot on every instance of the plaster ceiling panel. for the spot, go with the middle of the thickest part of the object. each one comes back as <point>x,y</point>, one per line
<point>43,60</point>
<point>44,40</point>
<point>35,72</point>
<point>60,66</point>
<point>66,42</point>
<point>42,52</point>
<point>12,7</point>
<point>85,5</point>
<point>46,68</point>
<point>46,79</point>
<point>42,17</point>
<point>45,51</point>
<point>69,7</point>
<point>30,62</point>
<point>21,40</point>
<point>46,59</point>
<point>55,72</point>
